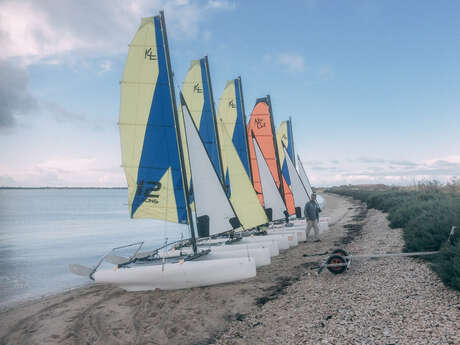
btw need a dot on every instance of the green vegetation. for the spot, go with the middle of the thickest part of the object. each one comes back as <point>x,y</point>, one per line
<point>426,212</point>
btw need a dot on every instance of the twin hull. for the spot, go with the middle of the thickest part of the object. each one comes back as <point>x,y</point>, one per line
<point>172,276</point>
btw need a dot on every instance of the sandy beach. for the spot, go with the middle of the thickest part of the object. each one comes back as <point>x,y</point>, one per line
<point>389,301</point>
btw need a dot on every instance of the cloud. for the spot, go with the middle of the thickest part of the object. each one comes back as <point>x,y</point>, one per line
<point>15,97</point>
<point>17,102</point>
<point>293,62</point>
<point>221,4</point>
<point>39,31</point>
<point>377,170</point>
<point>64,172</point>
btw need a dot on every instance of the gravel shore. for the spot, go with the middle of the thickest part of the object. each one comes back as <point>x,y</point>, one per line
<point>386,301</point>
<point>378,301</point>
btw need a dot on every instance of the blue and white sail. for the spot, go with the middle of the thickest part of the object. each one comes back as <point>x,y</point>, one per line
<point>231,114</point>
<point>197,93</point>
<point>149,146</point>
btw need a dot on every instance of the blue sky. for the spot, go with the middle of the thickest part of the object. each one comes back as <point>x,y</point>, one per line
<point>372,86</point>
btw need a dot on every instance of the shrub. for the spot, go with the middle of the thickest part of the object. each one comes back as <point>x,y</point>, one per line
<point>426,213</point>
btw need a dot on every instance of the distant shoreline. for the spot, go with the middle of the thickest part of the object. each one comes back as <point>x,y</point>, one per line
<point>63,187</point>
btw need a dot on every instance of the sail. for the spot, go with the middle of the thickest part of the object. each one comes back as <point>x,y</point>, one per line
<point>304,178</point>
<point>149,147</point>
<point>298,190</point>
<point>239,187</point>
<point>213,209</point>
<point>284,138</point>
<point>197,92</point>
<point>231,113</point>
<point>261,124</point>
<point>274,204</point>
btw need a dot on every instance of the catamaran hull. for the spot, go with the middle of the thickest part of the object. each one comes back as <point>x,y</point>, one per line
<point>261,255</point>
<point>282,240</point>
<point>271,246</point>
<point>173,276</point>
<point>300,233</point>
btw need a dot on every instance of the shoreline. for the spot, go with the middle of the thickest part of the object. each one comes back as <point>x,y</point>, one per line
<point>260,310</point>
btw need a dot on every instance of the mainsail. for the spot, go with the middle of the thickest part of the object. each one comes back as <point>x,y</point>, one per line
<point>298,189</point>
<point>273,202</point>
<point>147,127</point>
<point>197,92</point>
<point>304,178</point>
<point>231,113</point>
<point>284,138</point>
<point>214,211</point>
<point>239,187</point>
<point>261,125</point>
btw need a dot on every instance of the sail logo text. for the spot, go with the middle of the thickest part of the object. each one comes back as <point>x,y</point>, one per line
<point>232,104</point>
<point>197,89</point>
<point>147,189</point>
<point>260,123</point>
<point>150,55</point>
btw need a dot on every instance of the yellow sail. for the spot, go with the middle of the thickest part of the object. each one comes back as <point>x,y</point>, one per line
<point>149,147</point>
<point>240,190</point>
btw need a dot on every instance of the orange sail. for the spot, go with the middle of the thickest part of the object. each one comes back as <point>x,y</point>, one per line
<point>261,125</point>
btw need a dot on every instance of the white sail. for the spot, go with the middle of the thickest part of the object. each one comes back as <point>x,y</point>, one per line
<point>304,178</point>
<point>271,193</point>
<point>298,190</point>
<point>213,209</point>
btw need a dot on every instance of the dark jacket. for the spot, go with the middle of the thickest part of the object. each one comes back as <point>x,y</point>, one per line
<point>312,210</point>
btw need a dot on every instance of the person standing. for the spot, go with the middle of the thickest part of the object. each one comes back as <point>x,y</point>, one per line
<point>311,212</point>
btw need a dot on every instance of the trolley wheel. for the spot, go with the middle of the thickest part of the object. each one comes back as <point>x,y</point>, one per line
<point>340,251</point>
<point>336,259</point>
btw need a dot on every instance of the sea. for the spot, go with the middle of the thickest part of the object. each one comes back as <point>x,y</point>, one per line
<point>42,231</point>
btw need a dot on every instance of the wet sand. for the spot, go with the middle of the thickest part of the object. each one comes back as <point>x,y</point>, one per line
<point>221,314</point>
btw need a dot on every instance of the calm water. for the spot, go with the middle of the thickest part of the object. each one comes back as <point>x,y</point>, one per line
<point>42,231</point>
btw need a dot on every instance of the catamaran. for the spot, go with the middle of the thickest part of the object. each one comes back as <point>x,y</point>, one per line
<point>158,187</point>
<point>261,126</point>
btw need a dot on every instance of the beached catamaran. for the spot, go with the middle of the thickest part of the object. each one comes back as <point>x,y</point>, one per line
<point>153,161</point>
<point>285,140</point>
<point>231,122</point>
<point>261,126</point>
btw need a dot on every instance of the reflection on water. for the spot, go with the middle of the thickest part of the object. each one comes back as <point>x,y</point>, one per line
<point>43,230</point>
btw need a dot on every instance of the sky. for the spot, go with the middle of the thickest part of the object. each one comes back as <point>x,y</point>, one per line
<point>373,87</point>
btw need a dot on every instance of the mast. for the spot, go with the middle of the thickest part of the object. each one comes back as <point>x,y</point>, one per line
<point>240,87</point>
<point>292,140</point>
<point>276,148</point>
<point>178,135</point>
<point>213,111</point>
